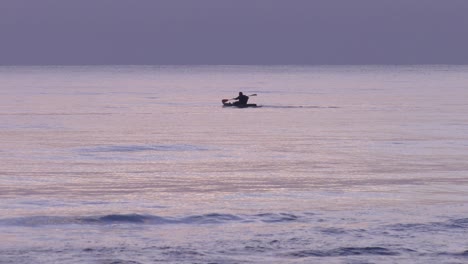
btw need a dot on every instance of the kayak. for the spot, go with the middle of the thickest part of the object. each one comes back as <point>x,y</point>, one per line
<point>239,106</point>
<point>227,104</point>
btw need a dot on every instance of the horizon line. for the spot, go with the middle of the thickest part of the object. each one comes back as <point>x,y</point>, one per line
<point>234,65</point>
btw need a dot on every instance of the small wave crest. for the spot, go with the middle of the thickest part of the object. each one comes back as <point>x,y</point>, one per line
<point>125,218</point>
<point>463,254</point>
<point>213,218</point>
<point>461,223</point>
<point>344,251</point>
<point>142,148</point>
<point>274,218</point>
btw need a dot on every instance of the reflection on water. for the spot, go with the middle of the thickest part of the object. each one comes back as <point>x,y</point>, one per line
<point>355,163</point>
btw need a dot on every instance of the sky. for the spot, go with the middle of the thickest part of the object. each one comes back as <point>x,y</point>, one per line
<point>233,32</point>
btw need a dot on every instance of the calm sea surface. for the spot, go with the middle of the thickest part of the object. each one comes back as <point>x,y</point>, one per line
<point>142,164</point>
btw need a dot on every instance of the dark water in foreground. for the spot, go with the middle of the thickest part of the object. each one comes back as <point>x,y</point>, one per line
<point>134,164</point>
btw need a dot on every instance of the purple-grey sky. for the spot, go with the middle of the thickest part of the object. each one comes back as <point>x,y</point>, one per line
<point>86,32</point>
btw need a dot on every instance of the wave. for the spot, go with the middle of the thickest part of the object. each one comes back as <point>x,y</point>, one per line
<point>463,254</point>
<point>298,106</point>
<point>368,251</point>
<point>213,218</point>
<point>275,218</point>
<point>219,218</point>
<point>344,251</point>
<point>461,223</point>
<point>141,148</point>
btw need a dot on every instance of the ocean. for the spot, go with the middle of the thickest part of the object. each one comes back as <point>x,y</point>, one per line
<point>142,164</point>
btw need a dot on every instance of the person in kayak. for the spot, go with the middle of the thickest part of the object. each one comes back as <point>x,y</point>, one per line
<point>241,99</point>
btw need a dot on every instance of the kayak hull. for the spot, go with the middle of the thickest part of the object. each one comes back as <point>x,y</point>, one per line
<point>239,106</point>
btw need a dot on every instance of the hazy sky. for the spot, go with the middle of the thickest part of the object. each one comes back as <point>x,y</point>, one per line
<point>233,32</point>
